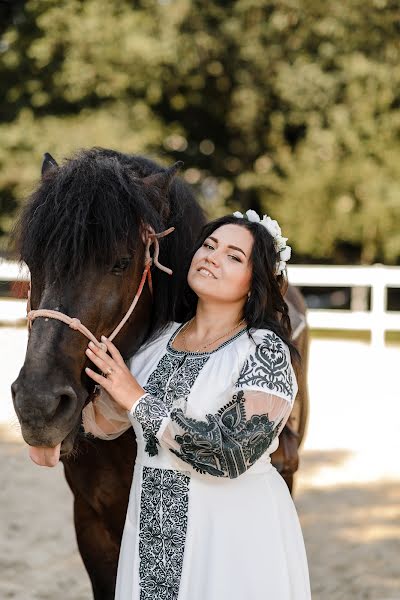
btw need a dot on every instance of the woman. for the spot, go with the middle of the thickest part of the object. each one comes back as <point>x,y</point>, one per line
<point>209,517</point>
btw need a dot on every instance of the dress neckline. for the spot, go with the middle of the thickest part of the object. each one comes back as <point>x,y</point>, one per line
<point>204,353</point>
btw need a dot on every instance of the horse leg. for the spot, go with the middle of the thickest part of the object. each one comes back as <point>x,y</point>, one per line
<point>288,477</point>
<point>100,477</point>
<point>98,547</point>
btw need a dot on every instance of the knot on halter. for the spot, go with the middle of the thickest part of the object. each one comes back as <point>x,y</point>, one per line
<point>75,323</point>
<point>152,238</point>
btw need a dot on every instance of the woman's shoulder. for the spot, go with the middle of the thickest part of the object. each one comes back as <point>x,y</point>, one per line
<point>268,339</point>
<point>268,364</point>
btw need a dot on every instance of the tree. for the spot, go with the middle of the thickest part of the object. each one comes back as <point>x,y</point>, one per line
<point>288,107</point>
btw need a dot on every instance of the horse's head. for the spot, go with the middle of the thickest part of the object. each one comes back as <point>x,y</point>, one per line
<point>82,234</point>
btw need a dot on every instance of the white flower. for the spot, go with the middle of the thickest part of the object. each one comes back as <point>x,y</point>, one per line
<point>274,229</point>
<point>271,226</point>
<point>252,216</point>
<point>286,253</point>
<point>281,267</point>
<point>280,243</point>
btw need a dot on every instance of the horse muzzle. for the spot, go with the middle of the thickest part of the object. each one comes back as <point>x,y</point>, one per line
<point>47,413</point>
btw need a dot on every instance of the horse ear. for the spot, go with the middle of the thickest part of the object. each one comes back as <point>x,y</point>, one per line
<point>163,179</point>
<point>48,163</point>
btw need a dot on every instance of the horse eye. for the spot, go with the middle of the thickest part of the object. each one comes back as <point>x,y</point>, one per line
<point>121,265</point>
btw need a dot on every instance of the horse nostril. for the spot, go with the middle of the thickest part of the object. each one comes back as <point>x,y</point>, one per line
<point>66,403</point>
<point>37,406</point>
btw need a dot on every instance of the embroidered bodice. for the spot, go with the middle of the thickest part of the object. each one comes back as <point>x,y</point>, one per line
<point>214,414</point>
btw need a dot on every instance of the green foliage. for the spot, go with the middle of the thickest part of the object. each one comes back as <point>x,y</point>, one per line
<point>288,107</point>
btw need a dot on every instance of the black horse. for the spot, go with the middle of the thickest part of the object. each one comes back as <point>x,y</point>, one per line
<point>80,235</point>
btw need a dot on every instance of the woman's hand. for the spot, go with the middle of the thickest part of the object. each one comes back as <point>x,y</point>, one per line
<point>119,382</point>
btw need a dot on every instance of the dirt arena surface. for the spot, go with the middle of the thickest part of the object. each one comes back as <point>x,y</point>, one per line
<point>347,492</point>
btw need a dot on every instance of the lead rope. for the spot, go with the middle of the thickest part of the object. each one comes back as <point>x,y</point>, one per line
<point>74,323</point>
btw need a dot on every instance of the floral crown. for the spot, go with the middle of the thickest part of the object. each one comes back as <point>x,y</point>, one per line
<point>273,228</point>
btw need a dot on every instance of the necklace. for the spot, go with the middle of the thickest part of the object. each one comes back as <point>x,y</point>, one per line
<point>187,326</point>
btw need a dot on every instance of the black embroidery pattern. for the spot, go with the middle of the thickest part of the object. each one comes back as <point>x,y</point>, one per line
<point>164,496</point>
<point>158,378</point>
<point>150,412</point>
<point>268,367</point>
<point>227,444</point>
<point>149,419</point>
<point>167,384</point>
<point>162,534</point>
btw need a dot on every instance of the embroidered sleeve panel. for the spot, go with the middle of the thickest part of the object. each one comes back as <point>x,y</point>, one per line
<point>225,444</point>
<point>229,442</point>
<point>150,412</point>
<point>268,367</point>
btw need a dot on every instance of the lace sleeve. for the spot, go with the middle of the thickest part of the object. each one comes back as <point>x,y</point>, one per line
<point>229,442</point>
<point>105,419</point>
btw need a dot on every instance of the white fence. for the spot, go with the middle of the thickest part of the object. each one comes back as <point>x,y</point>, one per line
<point>377,277</point>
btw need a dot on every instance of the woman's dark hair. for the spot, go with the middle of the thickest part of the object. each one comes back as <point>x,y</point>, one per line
<point>266,307</point>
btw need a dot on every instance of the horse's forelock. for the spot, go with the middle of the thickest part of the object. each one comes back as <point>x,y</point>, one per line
<point>84,211</point>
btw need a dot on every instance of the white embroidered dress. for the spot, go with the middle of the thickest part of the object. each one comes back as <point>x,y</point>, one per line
<point>209,517</point>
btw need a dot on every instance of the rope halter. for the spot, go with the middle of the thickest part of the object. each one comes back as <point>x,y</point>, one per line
<point>74,323</point>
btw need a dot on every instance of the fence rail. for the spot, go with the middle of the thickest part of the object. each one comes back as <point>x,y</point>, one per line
<point>378,278</point>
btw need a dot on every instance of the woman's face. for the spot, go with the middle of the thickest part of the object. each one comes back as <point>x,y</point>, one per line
<point>221,268</point>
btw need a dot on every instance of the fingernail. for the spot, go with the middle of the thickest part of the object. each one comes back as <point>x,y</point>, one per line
<point>87,369</point>
<point>103,338</point>
<point>91,344</point>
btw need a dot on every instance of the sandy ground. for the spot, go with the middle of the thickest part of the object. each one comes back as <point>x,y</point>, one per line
<point>347,492</point>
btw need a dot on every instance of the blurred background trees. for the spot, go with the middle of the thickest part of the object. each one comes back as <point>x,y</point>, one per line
<point>290,107</point>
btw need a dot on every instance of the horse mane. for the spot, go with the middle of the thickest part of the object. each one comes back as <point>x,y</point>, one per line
<point>90,207</point>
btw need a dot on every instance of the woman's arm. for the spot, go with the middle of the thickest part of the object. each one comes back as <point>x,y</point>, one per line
<point>107,417</point>
<point>104,424</point>
<point>104,419</point>
<point>225,444</point>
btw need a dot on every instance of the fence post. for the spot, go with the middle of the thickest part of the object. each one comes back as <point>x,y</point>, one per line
<point>378,307</point>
